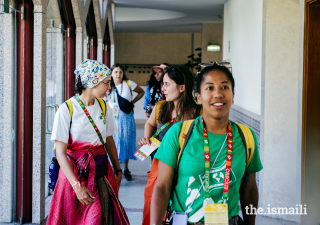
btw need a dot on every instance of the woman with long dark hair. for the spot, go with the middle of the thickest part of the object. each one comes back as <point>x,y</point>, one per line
<point>178,86</point>
<point>154,91</point>
<point>122,102</point>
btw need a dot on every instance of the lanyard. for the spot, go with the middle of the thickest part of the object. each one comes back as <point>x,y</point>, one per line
<point>90,119</point>
<point>114,95</point>
<point>165,125</point>
<point>207,162</point>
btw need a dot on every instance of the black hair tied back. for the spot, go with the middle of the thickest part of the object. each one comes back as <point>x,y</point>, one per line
<point>78,87</point>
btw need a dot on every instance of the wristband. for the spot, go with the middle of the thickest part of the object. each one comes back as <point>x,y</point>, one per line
<point>117,171</point>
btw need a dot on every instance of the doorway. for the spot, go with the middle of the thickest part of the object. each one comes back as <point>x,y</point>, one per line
<point>311,114</point>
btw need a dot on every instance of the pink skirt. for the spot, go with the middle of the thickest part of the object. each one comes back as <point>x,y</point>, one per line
<point>106,209</point>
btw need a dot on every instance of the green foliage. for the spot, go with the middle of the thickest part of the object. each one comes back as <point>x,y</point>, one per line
<point>193,62</point>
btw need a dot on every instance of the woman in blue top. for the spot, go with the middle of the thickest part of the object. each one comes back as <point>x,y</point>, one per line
<point>154,92</point>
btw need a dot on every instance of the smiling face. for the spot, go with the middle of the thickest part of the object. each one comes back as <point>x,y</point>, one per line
<point>102,87</point>
<point>117,75</point>
<point>216,95</point>
<point>170,89</point>
<point>159,75</point>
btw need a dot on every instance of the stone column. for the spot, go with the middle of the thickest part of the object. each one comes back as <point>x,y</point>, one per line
<point>100,50</point>
<point>281,184</point>
<point>59,68</point>
<point>112,55</point>
<point>7,129</point>
<point>39,113</point>
<point>79,46</point>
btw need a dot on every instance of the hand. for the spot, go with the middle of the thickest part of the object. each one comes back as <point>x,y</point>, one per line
<point>83,195</point>
<point>144,141</point>
<point>147,114</point>
<point>118,180</point>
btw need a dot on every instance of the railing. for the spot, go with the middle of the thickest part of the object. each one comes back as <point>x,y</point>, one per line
<point>55,107</point>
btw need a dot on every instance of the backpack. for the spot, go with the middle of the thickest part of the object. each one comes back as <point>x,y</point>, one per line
<point>245,134</point>
<point>185,133</point>
<point>101,102</point>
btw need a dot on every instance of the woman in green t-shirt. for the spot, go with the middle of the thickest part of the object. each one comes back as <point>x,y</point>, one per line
<point>216,141</point>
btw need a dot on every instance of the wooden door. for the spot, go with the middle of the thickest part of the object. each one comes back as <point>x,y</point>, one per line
<point>311,114</point>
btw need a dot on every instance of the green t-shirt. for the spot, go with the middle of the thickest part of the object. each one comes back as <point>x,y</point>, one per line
<point>191,168</point>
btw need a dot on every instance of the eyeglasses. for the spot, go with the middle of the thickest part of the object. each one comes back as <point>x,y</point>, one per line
<point>225,64</point>
<point>108,83</point>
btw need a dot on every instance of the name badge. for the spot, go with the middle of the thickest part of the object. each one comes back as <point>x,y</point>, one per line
<point>216,214</point>
<point>146,150</point>
<point>115,110</point>
<point>179,218</point>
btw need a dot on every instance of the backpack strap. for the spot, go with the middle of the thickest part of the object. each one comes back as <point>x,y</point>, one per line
<point>102,104</point>
<point>70,107</point>
<point>185,133</point>
<point>157,109</point>
<point>129,86</point>
<point>248,141</point>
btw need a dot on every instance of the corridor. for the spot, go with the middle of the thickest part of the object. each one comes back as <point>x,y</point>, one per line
<point>270,48</point>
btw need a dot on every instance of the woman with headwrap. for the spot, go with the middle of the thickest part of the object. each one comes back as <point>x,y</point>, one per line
<point>87,190</point>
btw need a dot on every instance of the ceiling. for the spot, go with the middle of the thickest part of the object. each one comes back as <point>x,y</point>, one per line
<point>166,16</point>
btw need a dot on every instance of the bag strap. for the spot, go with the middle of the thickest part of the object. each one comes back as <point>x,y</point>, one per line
<point>70,107</point>
<point>129,86</point>
<point>102,104</point>
<point>185,133</point>
<point>91,121</point>
<point>157,109</point>
<point>248,141</point>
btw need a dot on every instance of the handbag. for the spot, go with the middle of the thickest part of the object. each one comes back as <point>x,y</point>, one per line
<point>124,104</point>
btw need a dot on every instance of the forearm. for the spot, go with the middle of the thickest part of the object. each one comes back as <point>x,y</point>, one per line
<point>138,97</point>
<point>149,130</point>
<point>249,199</point>
<point>159,204</point>
<point>112,152</point>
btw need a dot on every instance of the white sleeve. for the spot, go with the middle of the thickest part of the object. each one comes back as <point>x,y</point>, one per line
<point>61,125</point>
<point>133,85</point>
<point>111,127</point>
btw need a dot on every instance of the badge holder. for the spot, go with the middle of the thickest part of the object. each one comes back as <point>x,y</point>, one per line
<point>146,150</point>
<point>179,218</point>
<point>215,213</point>
<point>115,110</point>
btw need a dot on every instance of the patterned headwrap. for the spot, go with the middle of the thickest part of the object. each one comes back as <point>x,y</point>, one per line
<point>92,73</point>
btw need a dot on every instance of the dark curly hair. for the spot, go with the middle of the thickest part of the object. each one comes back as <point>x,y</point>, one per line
<point>152,80</point>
